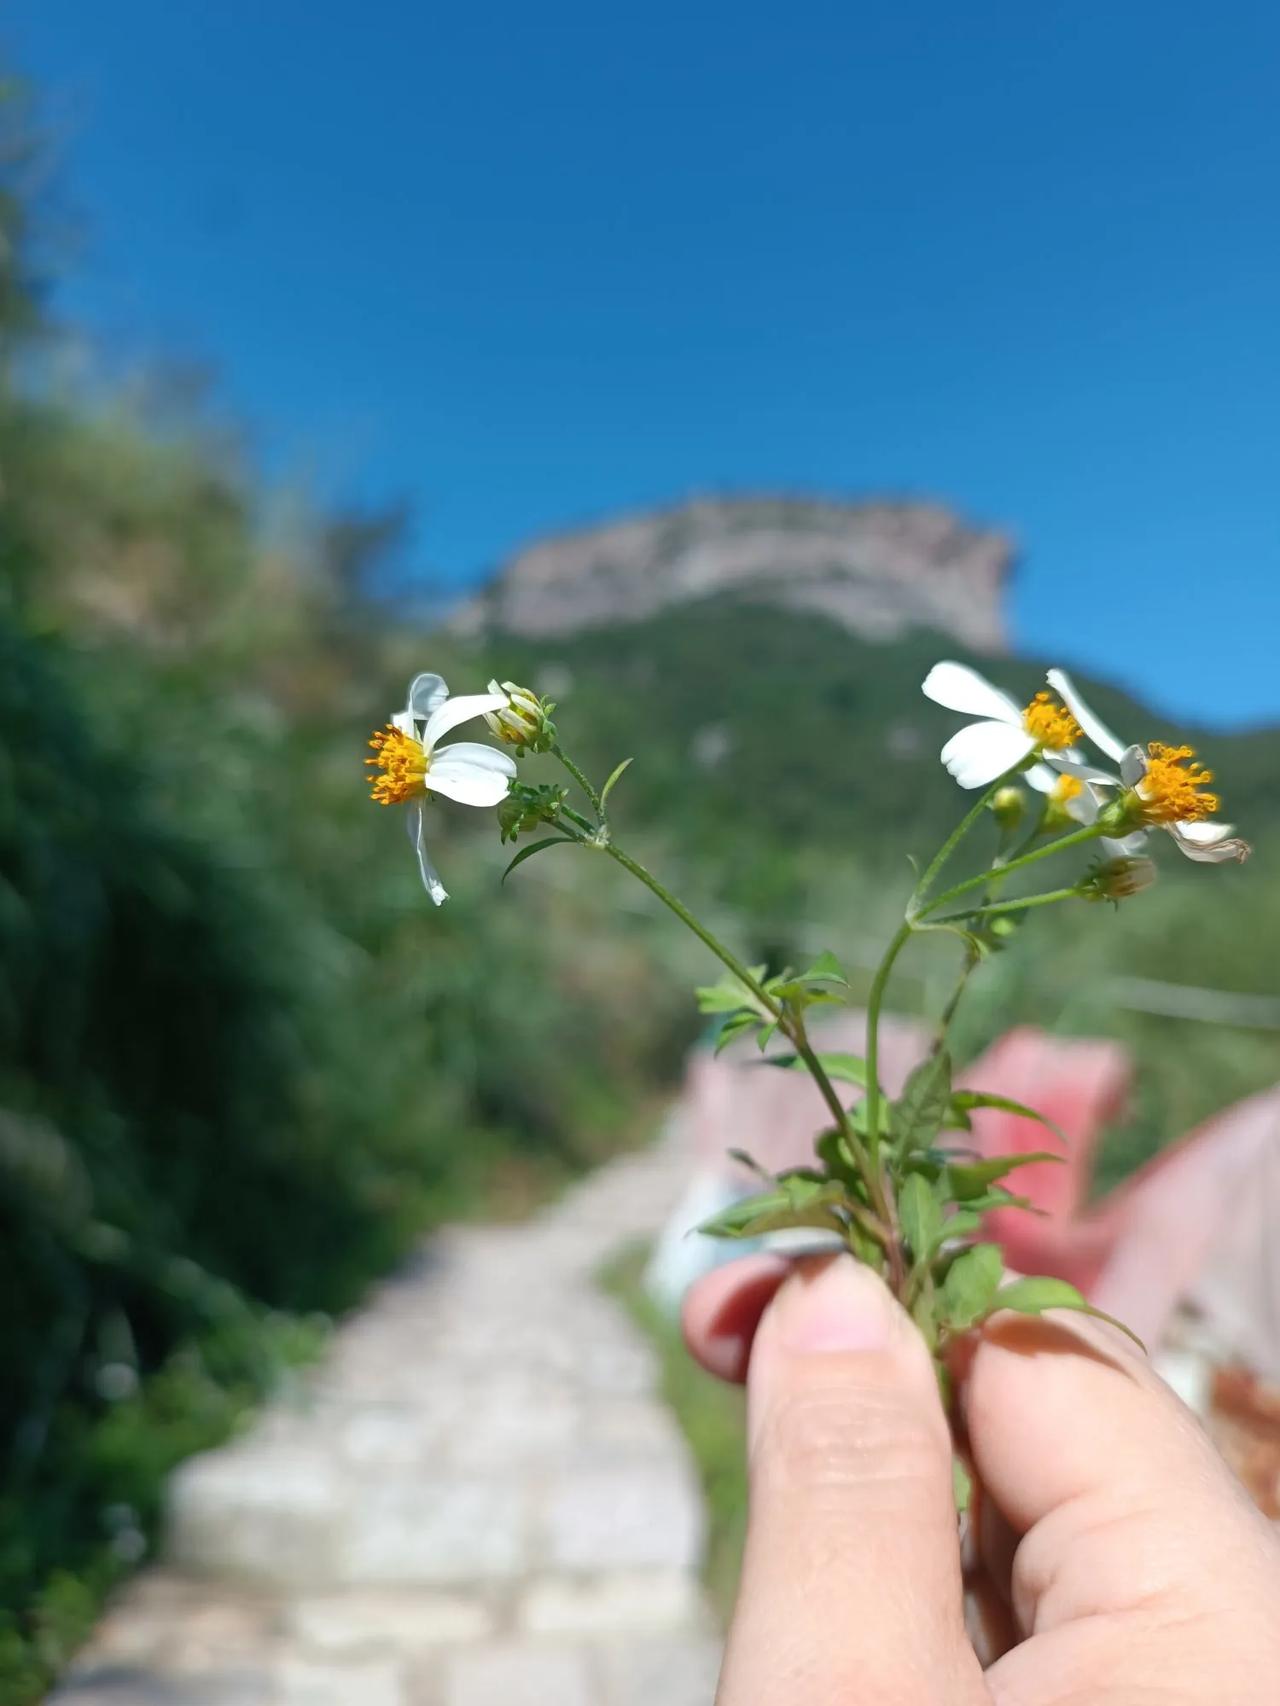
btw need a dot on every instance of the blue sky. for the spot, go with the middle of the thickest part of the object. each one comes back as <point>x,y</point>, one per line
<point>526,265</point>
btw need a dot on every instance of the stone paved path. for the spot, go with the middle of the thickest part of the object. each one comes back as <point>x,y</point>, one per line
<point>479,1500</point>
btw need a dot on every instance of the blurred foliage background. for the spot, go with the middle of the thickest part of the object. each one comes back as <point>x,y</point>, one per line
<point>243,1063</point>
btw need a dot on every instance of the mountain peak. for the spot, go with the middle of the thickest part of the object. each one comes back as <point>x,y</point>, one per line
<point>881,567</point>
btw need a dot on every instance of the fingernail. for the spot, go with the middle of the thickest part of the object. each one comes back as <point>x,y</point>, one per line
<point>840,1306</point>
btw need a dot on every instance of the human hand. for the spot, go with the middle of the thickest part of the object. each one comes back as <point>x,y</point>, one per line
<point>1114,1557</point>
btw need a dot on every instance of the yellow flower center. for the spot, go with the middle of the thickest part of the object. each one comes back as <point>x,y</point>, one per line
<point>1173,789</point>
<point>403,763</point>
<point>1049,723</point>
<point>1066,788</point>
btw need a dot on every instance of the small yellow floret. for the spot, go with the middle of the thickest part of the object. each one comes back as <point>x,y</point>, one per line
<point>1170,793</point>
<point>1050,723</point>
<point>403,763</point>
<point>1066,788</point>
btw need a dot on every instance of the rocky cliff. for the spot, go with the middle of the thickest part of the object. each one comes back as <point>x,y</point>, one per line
<point>880,568</point>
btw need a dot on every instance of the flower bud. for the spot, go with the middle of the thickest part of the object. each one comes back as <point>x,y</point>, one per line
<point>524,721</point>
<point>1118,879</point>
<point>1008,806</point>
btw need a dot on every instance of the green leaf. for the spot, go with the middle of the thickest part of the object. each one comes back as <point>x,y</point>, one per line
<point>843,1068</point>
<point>836,1157</point>
<point>999,1197</point>
<point>921,1216</point>
<point>963,1100</point>
<point>748,1161</point>
<point>961,1224</point>
<point>970,1285</point>
<point>970,1179</point>
<point>614,776</point>
<point>736,1025</point>
<point>826,969</point>
<point>799,994</point>
<point>797,1200</point>
<point>536,847</point>
<point>919,1110</point>
<point>728,995</point>
<point>1032,1296</point>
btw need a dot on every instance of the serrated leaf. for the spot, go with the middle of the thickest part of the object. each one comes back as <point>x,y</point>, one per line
<point>614,776</point>
<point>797,1200</point>
<point>970,1179</point>
<point>1038,1292</point>
<point>919,1111</point>
<point>536,847</point>
<point>921,1215</point>
<point>963,1100</point>
<point>843,1068</point>
<point>971,1284</point>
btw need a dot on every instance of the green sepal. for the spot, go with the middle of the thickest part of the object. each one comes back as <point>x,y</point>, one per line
<point>526,806</point>
<point>961,1485</point>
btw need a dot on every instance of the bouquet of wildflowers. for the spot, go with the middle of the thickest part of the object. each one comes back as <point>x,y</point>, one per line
<point>891,1179</point>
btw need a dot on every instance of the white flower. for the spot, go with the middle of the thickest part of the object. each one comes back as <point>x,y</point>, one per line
<point>413,764</point>
<point>1005,735</point>
<point>1166,787</point>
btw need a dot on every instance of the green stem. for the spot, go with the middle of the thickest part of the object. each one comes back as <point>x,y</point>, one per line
<point>995,906</point>
<point>874,1001</point>
<point>1077,838</point>
<point>962,829</point>
<point>559,752</point>
<point>971,959</point>
<point>792,1027</point>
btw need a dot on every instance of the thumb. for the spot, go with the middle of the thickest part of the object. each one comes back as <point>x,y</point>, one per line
<point>851,1578</point>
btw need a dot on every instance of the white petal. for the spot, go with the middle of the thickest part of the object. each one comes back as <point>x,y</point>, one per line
<point>1085,805</point>
<point>403,720</point>
<point>1086,772</point>
<point>976,755</point>
<point>460,710</point>
<point>1126,846</point>
<point>427,692</point>
<point>1041,778</point>
<point>960,688</point>
<point>1209,843</point>
<point>430,876</point>
<point>1097,731</point>
<point>472,774</point>
<point>1133,766</point>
